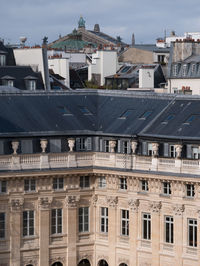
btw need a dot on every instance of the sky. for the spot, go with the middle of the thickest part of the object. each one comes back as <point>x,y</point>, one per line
<point>147,19</point>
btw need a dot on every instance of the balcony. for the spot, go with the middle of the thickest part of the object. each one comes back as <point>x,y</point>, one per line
<point>97,159</point>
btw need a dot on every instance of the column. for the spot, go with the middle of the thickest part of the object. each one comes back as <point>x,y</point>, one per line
<point>112,228</point>
<point>93,222</point>
<point>178,233</point>
<point>155,236</point>
<point>44,230</point>
<point>133,230</point>
<point>72,228</point>
<point>16,206</point>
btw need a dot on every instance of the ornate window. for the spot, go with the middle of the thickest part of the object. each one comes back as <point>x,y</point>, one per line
<point>146,226</point>
<point>58,183</point>
<point>190,190</point>
<point>83,219</point>
<point>56,221</point>
<point>169,229</point>
<point>29,185</point>
<point>124,222</point>
<point>84,181</point>
<point>166,188</point>
<point>123,183</point>
<point>102,182</point>
<point>28,223</point>
<point>144,185</point>
<point>192,232</point>
<point>2,225</point>
<point>104,220</point>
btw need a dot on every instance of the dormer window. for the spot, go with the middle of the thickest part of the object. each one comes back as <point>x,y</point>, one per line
<point>2,59</point>
<point>30,83</point>
<point>8,81</point>
<point>184,70</point>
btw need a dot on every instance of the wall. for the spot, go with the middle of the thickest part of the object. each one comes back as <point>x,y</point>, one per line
<point>60,66</point>
<point>146,78</point>
<point>35,57</point>
<point>137,56</point>
<point>194,85</point>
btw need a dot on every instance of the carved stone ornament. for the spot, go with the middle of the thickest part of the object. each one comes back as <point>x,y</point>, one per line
<point>134,146</point>
<point>112,144</point>
<point>155,147</point>
<point>198,212</point>
<point>15,146</point>
<point>57,259</point>
<point>45,202</point>
<point>178,209</point>
<point>103,257</point>
<point>16,204</point>
<point>94,199</point>
<point>72,200</point>
<point>123,261</point>
<point>84,256</point>
<point>32,261</point>
<point>43,144</point>
<point>112,201</point>
<point>178,149</point>
<point>71,143</point>
<point>133,204</point>
<point>155,206</point>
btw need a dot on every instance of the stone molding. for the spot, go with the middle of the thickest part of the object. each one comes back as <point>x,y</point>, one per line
<point>94,200</point>
<point>16,204</point>
<point>112,201</point>
<point>102,257</point>
<point>44,203</point>
<point>134,204</point>
<point>57,259</point>
<point>33,260</point>
<point>84,256</point>
<point>178,209</point>
<point>155,206</point>
<point>72,201</point>
<point>123,260</point>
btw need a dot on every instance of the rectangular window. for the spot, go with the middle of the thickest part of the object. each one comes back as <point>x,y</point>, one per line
<point>192,232</point>
<point>123,183</point>
<point>58,183</point>
<point>125,146</point>
<point>149,149</point>
<point>195,153</point>
<point>102,182</point>
<point>190,190</point>
<point>56,221</point>
<point>104,220</point>
<point>2,225</point>
<point>106,146</point>
<point>124,222</point>
<point>3,186</point>
<point>172,151</point>
<point>31,85</point>
<point>84,181</point>
<point>146,226</point>
<point>28,223</point>
<point>29,185</point>
<point>184,70</point>
<point>80,144</point>
<point>2,60</point>
<point>144,185</point>
<point>83,219</point>
<point>166,188</point>
<point>175,70</point>
<point>169,229</point>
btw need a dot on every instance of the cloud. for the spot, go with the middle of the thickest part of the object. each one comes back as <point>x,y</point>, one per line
<point>146,18</point>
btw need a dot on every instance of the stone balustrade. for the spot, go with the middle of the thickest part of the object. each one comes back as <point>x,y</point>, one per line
<point>98,159</point>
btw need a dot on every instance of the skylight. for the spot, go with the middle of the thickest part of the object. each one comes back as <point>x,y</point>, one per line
<point>85,110</point>
<point>127,113</point>
<point>146,114</point>
<point>169,117</point>
<point>64,110</point>
<point>191,118</point>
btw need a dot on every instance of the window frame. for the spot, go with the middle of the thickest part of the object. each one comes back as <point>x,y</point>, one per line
<point>2,225</point>
<point>83,219</point>
<point>192,229</point>
<point>169,232</point>
<point>104,220</point>
<point>123,183</point>
<point>166,188</point>
<point>27,226</point>
<point>56,221</point>
<point>3,187</point>
<point>30,186</point>
<point>102,182</point>
<point>58,183</point>
<point>144,185</point>
<point>124,222</point>
<point>190,190</point>
<point>146,222</point>
<point>84,182</point>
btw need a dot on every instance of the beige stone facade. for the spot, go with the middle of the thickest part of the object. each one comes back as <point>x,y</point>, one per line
<point>131,231</point>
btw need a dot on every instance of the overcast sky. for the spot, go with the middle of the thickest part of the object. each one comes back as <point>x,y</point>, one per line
<point>148,19</point>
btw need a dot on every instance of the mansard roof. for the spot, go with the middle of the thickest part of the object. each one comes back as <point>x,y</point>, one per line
<point>89,112</point>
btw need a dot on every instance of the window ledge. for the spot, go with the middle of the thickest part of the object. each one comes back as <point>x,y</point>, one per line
<point>30,237</point>
<point>143,193</point>
<point>188,198</point>
<point>165,195</point>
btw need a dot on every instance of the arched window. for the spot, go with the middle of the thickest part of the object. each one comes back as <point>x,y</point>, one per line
<point>84,262</point>
<point>102,263</point>
<point>123,264</point>
<point>57,264</point>
<point>29,265</point>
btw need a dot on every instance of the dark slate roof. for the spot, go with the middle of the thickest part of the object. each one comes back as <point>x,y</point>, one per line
<point>93,112</point>
<point>151,48</point>
<point>20,73</point>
